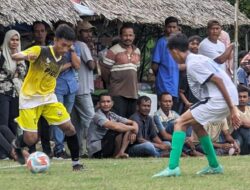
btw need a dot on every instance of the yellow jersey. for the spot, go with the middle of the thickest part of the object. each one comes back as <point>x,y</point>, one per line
<point>42,73</point>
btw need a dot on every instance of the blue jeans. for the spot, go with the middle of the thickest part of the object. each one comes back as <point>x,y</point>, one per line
<point>242,136</point>
<point>58,135</point>
<point>146,149</point>
<point>81,115</point>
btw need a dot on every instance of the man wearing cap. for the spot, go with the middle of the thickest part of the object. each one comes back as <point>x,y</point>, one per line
<point>83,110</point>
<point>122,61</point>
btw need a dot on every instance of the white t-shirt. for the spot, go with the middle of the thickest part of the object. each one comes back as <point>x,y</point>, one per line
<point>199,70</point>
<point>212,50</point>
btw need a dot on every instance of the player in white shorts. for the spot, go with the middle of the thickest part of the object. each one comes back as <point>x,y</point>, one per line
<point>218,99</point>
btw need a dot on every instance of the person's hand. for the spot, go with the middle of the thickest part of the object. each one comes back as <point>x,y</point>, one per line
<point>226,146</point>
<point>163,146</point>
<point>190,143</point>
<point>237,147</point>
<point>132,138</point>
<point>31,57</point>
<point>235,118</point>
<point>188,105</point>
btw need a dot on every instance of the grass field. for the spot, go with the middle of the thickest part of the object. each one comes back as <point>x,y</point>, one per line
<point>131,174</point>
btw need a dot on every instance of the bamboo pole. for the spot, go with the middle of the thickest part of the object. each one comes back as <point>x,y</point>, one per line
<point>236,35</point>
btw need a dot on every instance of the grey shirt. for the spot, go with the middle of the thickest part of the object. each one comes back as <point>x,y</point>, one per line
<point>97,131</point>
<point>85,75</point>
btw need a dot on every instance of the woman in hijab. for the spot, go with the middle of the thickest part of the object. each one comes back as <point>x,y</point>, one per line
<point>11,76</point>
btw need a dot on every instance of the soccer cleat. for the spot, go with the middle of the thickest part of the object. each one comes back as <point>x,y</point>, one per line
<point>210,170</point>
<point>77,167</point>
<point>168,172</point>
<point>18,152</point>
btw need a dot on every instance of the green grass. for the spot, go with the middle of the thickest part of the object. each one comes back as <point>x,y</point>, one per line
<point>131,174</point>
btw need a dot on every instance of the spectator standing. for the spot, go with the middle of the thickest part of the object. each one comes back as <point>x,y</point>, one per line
<point>164,66</point>
<point>66,88</point>
<point>83,110</point>
<point>40,31</point>
<point>12,74</point>
<point>244,69</point>
<point>213,48</point>
<point>122,61</point>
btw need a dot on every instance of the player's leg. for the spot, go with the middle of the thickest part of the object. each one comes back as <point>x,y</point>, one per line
<point>56,114</point>
<point>178,140</point>
<point>208,148</point>
<point>27,121</point>
<point>72,142</point>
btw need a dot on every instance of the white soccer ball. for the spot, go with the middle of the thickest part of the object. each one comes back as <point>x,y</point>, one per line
<point>38,162</point>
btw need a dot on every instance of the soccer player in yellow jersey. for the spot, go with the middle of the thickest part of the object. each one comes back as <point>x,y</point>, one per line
<point>37,97</point>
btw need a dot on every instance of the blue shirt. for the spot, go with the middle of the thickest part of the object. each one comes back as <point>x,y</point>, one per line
<point>242,76</point>
<point>66,82</point>
<point>167,79</point>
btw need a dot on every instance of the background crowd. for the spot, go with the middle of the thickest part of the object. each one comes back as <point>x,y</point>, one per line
<point>118,124</point>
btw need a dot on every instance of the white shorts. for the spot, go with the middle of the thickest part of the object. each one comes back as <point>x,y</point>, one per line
<point>210,110</point>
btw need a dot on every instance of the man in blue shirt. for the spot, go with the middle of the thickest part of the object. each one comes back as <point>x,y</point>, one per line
<point>66,88</point>
<point>163,64</point>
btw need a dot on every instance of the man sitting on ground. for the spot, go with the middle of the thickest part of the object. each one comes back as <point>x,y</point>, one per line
<point>242,135</point>
<point>109,134</point>
<point>148,143</point>
<point>221,145</point>
<point>164,119</point>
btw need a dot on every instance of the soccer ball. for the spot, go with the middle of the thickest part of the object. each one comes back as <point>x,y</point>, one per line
<point>38,162</point>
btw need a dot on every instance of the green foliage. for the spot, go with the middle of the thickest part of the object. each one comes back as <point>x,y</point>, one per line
<point>244,6</point>
<point>131,174</point>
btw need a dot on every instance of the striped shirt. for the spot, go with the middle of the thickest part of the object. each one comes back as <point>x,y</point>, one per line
<point>123,71</point>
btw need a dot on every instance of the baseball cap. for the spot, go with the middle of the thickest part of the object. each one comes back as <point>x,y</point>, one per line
<point>84,25</point>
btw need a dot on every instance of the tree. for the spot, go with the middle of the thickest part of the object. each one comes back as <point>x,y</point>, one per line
<point>244,6</point>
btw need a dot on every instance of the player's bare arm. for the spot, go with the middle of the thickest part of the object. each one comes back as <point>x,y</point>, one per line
<point>21,57</point>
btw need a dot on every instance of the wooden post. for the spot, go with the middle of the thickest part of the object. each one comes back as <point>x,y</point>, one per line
<point>236,34</point>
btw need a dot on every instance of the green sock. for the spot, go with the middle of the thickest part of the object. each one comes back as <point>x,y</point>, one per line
<point>208,148</point>
<point>178,139</point>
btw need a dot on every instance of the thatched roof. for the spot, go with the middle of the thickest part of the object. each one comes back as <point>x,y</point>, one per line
<point>194,13</point>
<point>28,11</point>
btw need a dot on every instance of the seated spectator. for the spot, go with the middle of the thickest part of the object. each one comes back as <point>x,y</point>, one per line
<point>222,146</point>
<point>242,135</point>
<point>164,119</point>
<point>148,143</point>
<point>109,134</point>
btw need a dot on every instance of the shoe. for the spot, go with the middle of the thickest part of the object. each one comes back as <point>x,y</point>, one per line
<point>19,155</point>
<point>77,167</point>
<point>210,170</point>
<point>168,172</point>
<point>62,156</point>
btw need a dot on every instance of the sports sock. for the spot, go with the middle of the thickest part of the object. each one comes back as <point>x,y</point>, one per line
<point>73,145</point>
<point>177,144</point>
<point>208,148</point>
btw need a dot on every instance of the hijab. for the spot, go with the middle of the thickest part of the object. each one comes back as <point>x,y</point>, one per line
<point>9,64</point>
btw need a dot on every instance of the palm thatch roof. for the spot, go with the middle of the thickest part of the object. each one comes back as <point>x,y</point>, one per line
<point>28,11</point>
<point>194,13</point>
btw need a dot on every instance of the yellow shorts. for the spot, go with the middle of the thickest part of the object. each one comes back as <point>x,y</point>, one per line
<point>54,113</point>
